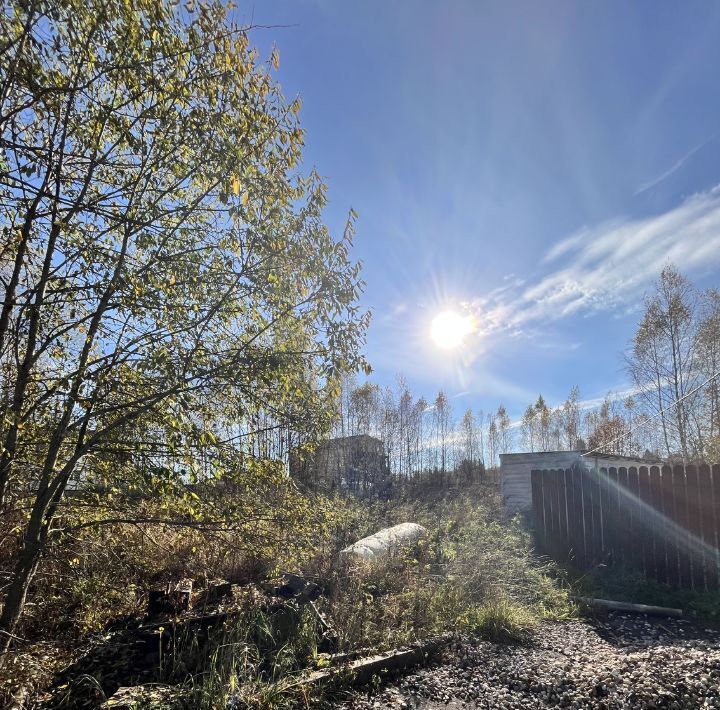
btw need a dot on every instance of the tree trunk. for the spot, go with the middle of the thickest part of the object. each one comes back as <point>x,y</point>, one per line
<point>16,594</point>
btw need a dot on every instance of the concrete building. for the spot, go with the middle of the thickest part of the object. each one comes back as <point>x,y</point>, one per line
<point>515,471</point>
<point>357,464</point>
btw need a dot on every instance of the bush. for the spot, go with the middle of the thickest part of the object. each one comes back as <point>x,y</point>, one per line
<point>474,573</point>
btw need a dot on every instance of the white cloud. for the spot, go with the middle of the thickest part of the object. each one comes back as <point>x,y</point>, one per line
<point>608,268</point>
<point>673,169</point>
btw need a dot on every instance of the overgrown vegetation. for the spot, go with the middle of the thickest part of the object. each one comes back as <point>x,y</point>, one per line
<point>475,573</point>
<point>175,312</point>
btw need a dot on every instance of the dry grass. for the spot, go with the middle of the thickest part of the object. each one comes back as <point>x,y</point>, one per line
<point>474,573</point>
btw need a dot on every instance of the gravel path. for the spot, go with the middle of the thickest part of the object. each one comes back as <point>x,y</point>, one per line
<point>621,661</point>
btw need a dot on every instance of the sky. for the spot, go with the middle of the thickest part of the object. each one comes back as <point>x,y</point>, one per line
<point>532,164</point>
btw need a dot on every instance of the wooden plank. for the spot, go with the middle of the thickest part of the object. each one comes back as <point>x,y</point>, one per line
<point>578,523</point>
<point>669,532</point>
<point>646,522</point>
<point>635,537</point>
<point>571,516</point>
<point>563,543</point>
<point>681,518</point>
<point>707,526</point>
<point>557,515</point>
<point>715,478</point>
<point>658,526</point>
<point>606,532</point>
<point>596,516</point>
<point>587,518</point>
<point>548,498</point>
<point>537,508</point>
<point>624,518</point>
<point>694,525</point>
<point>611,515</point>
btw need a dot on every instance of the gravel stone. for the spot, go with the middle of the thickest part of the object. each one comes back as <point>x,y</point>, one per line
<point>614,662</point>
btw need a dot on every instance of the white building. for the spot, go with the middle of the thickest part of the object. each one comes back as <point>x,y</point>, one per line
<point>515,471</point>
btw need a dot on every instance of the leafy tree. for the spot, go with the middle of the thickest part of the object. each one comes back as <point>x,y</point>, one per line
<point>165,268</point>
<point>503,430</point>
<point>571,419</point>
<point>709,359</point>
<point>543,423</point>
<point>442,415</point>
<point>528,426</point>
<point>663,361</point>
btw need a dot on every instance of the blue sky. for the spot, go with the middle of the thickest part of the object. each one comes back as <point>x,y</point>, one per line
<point>535,163</point>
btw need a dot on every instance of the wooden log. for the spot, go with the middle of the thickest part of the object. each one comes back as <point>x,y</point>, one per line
<point>362,670</point>
<point>150,695</point>
<point>630,607</point>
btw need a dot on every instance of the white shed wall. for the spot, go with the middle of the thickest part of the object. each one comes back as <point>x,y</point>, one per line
<point>515,472</point>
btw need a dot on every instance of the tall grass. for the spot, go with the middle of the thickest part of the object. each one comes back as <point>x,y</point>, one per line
<point>474,573</point>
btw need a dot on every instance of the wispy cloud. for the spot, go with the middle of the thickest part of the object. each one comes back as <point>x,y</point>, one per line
<point>665,175</point>
<point>608,268</point>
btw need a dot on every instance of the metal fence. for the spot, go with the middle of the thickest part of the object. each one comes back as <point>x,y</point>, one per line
<point>663,522</point>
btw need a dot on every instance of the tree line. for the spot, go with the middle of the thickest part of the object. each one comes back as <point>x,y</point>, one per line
<point>671,410</point>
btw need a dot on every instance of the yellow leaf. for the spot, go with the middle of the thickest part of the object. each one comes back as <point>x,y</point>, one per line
<point>235,184</point>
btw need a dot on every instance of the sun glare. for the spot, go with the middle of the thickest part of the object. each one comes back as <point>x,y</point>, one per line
<point>449,329</point>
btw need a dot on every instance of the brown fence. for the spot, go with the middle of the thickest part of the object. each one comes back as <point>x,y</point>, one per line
<point>663,522</point>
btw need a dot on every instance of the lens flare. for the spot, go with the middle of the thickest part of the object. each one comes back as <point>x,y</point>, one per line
<point>449,329</point>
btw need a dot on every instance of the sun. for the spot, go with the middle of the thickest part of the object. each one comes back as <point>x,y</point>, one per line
<point>449,329</point>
